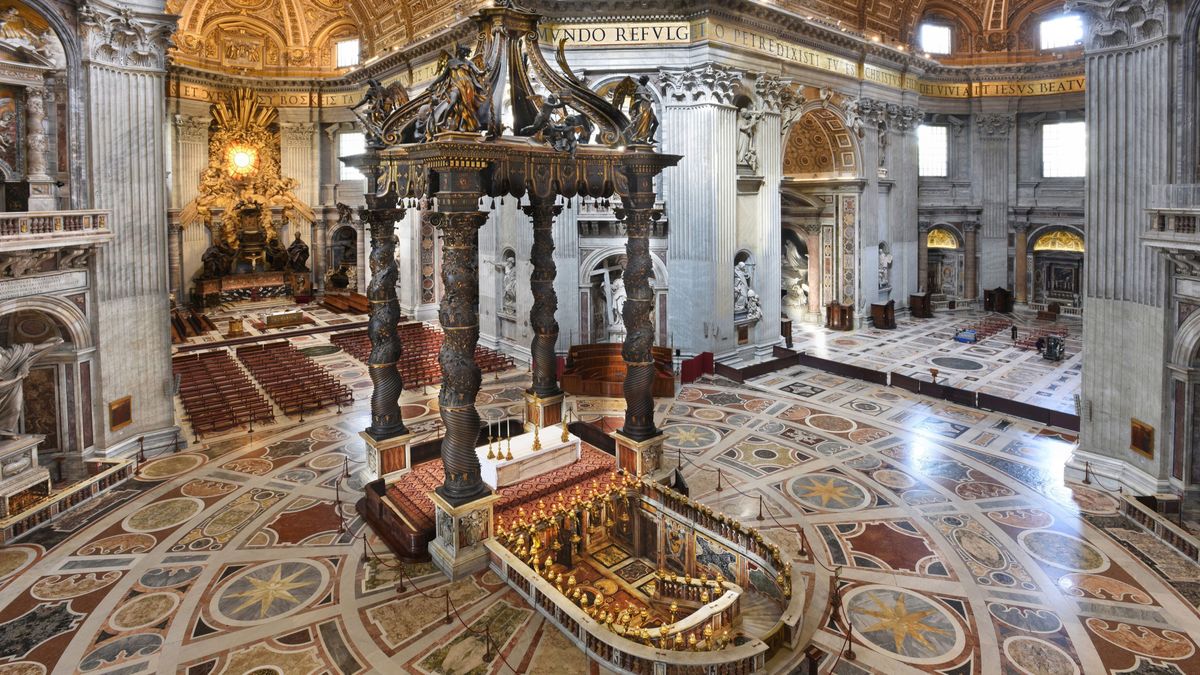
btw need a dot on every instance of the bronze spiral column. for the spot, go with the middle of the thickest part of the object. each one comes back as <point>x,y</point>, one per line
<point>382,215</point>
<point>545,301</point>
<point>639,216</point>
<point>459,315</point>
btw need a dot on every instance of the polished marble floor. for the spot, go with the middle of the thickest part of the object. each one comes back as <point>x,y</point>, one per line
<point>992,366</point>
<point>956,546</point>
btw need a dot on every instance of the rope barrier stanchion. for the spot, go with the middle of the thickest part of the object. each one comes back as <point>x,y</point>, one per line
<point>1087,473</point>
<point>760,508</point>
<point>719,488</point>
<point>447,608</point>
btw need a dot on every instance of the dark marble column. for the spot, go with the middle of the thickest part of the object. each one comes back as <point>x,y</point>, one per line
<point>971,262</point>
<point>545,301</point>
<point>923,257</point>
<point>1021,268</point>
<point>381,216</point>
<point>459,222</point>
<point>175,261</point>
<point>639,216</point>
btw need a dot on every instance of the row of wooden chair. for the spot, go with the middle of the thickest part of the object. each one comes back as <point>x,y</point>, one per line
<point>295,382</point>
<point>418,364</point>
<point>216,394</point>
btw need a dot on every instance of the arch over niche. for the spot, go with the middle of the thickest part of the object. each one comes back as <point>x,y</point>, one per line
<point>63,311</point>
<point>820,146</point>
<point>1058,239</point>
<point>944,238</point>
<point>1186,351</point>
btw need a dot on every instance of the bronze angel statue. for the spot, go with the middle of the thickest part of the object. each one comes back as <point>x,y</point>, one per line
<point>379,102</point>
<point>643,123</point>
<point>563,131</point>
<point>458,96</point>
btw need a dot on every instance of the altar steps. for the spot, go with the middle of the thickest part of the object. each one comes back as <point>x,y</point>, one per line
<point>759,615</point>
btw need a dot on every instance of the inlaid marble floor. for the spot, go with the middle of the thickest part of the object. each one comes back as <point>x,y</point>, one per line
<point>958,547</point>
<point>993,366</point>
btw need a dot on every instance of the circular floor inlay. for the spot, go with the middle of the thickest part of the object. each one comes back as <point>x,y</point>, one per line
<point>956,363</point>
<point>830,423</point>
<point>1062,551</point>
<point>1038,657</point>
<point>829,492</point>
<point>22,668</point>
<point>144,610</point>
<point>163,514</point>
<point>14,559</point>
<point>268,592</point>
<point>168,467</point>
<point>691,436</point>
<point>903,624</point>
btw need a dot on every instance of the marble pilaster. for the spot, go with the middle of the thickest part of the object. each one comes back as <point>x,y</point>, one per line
<point>700,123</point>
<point>971,260</point>
<point>1021,263</point>
<point>996,161</point>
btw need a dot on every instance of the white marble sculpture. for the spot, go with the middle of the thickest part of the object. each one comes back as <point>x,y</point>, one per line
<point>753,306</point>
<point>510,286</point>
<point>741,288</point>
<point>747,153</point>
<point>885,266</point>
<point>15,362</point>
<point>617,308</point>
<point>795,277</point>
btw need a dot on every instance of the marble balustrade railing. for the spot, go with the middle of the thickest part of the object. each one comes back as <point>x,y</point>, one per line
<point>44,229</point>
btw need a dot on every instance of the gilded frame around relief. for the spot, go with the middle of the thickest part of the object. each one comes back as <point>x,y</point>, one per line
<point>120,413</point>
<point>1141,438</point>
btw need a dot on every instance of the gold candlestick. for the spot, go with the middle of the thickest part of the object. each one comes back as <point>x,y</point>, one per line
<point>565,434</point>
<point>491,453</point>
<point>537,441</point>
<point>508,450</point>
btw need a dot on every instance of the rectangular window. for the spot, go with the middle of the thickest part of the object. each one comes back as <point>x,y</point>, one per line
<point>351,143</point>
<point>1064,150</point>
<point>347,53</point>
<point>933,151</point>
<point>1063,31</point>
<point>935,38</point>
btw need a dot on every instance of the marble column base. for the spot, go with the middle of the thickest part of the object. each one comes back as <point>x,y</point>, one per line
<point>639,458</point>
<point>458,548</point>
<point>41,194</point>
<point>543,411</point>
<point>388,459</point>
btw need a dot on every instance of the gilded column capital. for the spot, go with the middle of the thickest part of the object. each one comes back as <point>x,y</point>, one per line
<point>116,35</point>
<point>707,83</point>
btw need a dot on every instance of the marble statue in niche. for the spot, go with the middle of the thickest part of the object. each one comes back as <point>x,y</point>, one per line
<point>795,277</point>
<point>509,302</point>
<point>741,289</point>
<point>617,313</point>
<point>15,362</point>
<point>747,153</point>
<point>885,265</point>
<point>753,306</point>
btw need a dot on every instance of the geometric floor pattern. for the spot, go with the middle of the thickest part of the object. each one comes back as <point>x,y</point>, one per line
<point>992,366</point>
<point>958,549</point>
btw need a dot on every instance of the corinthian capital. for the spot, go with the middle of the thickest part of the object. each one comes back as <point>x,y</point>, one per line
<point>116,35</point>
<point>1118,23</point>
<point>997,125</point>
<point>709,83</point>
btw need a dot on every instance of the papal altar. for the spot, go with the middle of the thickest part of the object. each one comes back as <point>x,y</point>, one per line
<point>525,462</point>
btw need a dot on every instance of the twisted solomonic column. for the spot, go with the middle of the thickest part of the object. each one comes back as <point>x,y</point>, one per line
<point>639,218</point>
<point>459,315</point>
<point>545,301</point>
<point>382,215</point>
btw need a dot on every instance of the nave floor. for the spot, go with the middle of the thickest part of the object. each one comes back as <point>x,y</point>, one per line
<point>960,550</point>
<point>993,366</point>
